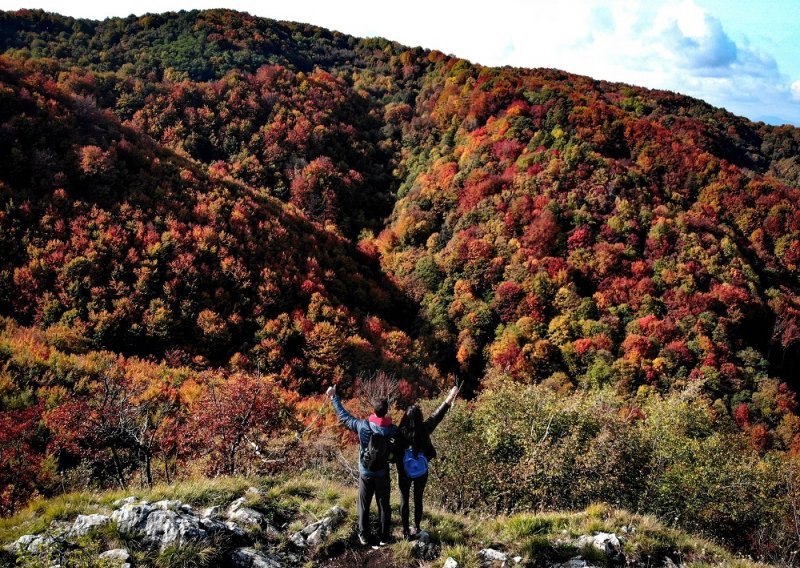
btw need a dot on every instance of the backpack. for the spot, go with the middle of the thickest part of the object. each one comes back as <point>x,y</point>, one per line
<point>415,464</point>
<point>378,453</point>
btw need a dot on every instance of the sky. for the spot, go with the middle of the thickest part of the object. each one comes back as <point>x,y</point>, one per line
<point>739,54</point>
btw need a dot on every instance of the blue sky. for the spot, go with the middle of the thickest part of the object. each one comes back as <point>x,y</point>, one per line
<point>741,55</point>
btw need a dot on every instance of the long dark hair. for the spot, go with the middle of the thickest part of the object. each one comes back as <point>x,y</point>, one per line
<point>412,427</point>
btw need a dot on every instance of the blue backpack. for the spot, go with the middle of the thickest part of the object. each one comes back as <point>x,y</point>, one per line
<point>416,465</point>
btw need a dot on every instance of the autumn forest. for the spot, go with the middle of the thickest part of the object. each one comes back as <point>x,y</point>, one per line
<point>207,218</point>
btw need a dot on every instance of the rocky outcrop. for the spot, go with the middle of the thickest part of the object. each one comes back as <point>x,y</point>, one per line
<point>316,533</point>
<point>161,524</point>
<point>33,544</point>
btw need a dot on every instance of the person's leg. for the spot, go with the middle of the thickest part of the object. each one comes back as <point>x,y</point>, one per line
<point>382,493</point>
<point>366,487</point>
<point>405,490</point>
<point>419,489</point>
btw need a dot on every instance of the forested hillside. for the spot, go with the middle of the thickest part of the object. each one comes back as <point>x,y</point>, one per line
<point>195,199</point>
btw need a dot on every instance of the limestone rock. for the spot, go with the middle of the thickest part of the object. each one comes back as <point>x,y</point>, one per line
<point>450,563</point>
<point>298,540</point>
<point>490,557</point>
<point>161,523</point>
<point>33,544</point>
<point>131,516</point>
<point>214,526</point>
<point>316,533</point>
<point>609,543</point>
<point>337,512</point>
<point>252,558</point>
<point>117,557</point>
<point>246,516</point>
<point>165,527</point>
<point>211,512</point>
<point>238,513</point>
<point>85,523</point>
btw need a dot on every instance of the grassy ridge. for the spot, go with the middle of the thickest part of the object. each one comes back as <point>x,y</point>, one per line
<point>293,503</point>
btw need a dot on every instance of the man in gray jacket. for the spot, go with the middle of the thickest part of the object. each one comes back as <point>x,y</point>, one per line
<point>376,437</point>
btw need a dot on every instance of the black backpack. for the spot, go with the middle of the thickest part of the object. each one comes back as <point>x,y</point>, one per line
<point>378,453</point>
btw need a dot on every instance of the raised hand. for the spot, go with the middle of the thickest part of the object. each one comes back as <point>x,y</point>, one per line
<point>451,396</point>
<point>331,392</point>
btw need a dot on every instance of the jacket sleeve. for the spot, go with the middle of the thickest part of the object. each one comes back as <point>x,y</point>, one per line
<point>434,419</point>
<point>347,419</point>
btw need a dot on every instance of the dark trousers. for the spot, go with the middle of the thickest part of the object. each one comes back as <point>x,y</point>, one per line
<point>380,488</point>
<point>405,484</point>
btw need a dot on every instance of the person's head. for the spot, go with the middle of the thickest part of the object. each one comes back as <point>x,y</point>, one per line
<point>412,426</point>
<point>380,407</point>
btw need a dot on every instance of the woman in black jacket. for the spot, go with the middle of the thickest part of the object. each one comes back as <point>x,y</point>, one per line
<point>414,443</point>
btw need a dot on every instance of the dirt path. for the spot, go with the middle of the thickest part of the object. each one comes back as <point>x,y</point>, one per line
<point>364,558</point>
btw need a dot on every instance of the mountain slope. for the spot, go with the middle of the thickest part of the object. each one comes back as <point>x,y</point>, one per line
<point>250,204</point>
<point>143,251</point>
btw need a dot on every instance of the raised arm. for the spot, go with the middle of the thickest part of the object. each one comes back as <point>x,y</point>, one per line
<point>434,419</point>
<point>348,420</point>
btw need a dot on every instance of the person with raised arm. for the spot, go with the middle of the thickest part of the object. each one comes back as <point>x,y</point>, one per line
<point>414,451</point>
<point>376,436</point>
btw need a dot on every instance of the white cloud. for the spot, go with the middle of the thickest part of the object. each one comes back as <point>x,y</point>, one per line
<point>796,90</point>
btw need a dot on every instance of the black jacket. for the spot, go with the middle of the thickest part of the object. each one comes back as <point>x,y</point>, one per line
<point>430,425</point>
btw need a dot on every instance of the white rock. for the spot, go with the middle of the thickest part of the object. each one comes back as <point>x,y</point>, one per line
<point>234,528</point>
<point>166,527</point>
<point>131,516</point>
<point>337,512</point>
<point>490,555</point>
<point>214,526</point>
<point>318,536</point>
<point>237,504</point>
<point>85,523</point>
<point>252,558</point>
<point>321,524</point>
<point>450,563</point>
<point>246,516</point>
<point>298,540</point>
<point>33,543</point>
<point>609,543</point>
<point>117,557</point>
<point>120,554</point>
<point>316,533</point>
<point>211,512</point>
